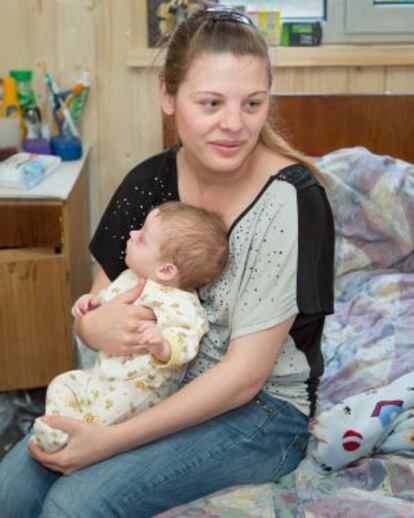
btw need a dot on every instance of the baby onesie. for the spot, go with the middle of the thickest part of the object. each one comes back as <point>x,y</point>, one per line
<point>117,387</point>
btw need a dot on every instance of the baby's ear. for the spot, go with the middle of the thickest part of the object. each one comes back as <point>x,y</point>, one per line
<point>167,272</point>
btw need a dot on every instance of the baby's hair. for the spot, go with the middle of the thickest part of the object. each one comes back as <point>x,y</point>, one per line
<point>195,240</point>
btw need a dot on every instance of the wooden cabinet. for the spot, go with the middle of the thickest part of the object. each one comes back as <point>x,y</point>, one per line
<point>44,267</point>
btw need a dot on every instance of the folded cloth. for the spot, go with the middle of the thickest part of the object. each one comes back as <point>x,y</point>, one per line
<point>378,421</point>
<point>24,170</point>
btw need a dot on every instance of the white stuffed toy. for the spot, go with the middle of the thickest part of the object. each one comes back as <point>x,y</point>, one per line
<point>378,421</point>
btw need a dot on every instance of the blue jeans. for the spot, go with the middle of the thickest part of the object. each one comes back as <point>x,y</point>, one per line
<point>256,443</point>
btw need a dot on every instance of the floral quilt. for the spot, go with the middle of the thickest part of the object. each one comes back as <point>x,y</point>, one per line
<point>367,344</point>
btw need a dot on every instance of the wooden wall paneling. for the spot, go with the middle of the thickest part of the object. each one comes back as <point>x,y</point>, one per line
<point>76,53</point>
<point>146,114</point>
<point>75,239</point>
<point>140,24</point>
<point>311,80</point>
<point>56,36</point>
<point>13,50</point>
<point>356,120</point>
<point>42,37</point>
<point>114,23</point>
<point>365,80</point>
<point>61,41</point>
<point>399,80</point>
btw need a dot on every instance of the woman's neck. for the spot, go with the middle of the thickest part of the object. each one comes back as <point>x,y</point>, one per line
<point>192,171</point>
<point>228,194</point>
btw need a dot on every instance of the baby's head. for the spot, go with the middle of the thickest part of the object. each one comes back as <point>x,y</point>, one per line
<point>179,245</point>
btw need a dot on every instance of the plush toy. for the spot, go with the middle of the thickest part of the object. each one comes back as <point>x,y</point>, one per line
<point>378,421</point>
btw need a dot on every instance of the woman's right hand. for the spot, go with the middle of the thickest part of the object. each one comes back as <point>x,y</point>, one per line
<point>113,327</point>
<point>88,444</point>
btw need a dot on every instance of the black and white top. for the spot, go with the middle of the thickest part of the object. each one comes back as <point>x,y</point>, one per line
<point>281,264</point>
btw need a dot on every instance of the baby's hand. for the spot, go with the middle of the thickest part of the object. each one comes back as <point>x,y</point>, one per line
<point>150,336</point>
<point>85,303</point>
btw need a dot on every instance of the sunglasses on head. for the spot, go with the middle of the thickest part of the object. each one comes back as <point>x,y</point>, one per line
<point>226,14</point>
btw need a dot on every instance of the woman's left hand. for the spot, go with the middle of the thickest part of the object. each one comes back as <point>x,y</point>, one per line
<point>88,444</point>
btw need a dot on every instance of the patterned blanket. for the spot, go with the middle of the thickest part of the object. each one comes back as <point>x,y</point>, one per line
<point>367,344</point>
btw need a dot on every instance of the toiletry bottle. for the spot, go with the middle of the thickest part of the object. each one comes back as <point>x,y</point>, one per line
<point>25,93</point>
<point>78,103</point>
<point>11,106</point>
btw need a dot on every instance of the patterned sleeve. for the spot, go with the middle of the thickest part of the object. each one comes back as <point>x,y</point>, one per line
<point>267,293</point>
<point>289,268</point>
<point>149,184</point>
<point>120,217</point>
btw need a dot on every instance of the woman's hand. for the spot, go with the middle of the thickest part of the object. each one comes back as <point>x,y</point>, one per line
<point>114,326</point>
<point>88,444</point>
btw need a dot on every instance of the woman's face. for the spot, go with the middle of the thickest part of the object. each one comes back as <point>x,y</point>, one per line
<point>220,109</point>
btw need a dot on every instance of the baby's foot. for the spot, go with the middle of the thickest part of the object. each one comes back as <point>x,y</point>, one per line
<point>47,438</point>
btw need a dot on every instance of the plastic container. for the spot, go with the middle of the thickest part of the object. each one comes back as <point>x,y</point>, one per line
<point>10,106</point>
<point>10,133</point>
<point>39,146</point>
<point>25,93</point>
<point>32,119</point>
<point>78,102</point>
<point>67,148</point>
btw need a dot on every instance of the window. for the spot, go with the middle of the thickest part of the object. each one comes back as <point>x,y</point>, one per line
<point>347,21</point>
<point>369,21</point>
<point>393,1</point>
<point>368,16</point>
<point>297,9</point>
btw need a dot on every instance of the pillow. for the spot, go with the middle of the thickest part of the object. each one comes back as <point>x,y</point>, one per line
<point>372,198</point>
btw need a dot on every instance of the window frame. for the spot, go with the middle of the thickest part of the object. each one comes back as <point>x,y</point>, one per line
<point>361,21</point>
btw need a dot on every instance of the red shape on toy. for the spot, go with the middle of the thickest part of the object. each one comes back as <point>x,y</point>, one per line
<point>351,440</point>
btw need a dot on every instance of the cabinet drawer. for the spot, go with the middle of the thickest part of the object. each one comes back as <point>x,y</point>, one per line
<point>30,223</point>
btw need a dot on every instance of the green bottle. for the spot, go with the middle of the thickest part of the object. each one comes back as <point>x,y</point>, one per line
<point>25,93</point>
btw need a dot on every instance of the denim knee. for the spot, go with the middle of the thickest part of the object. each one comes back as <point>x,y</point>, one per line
<point>24,483</point>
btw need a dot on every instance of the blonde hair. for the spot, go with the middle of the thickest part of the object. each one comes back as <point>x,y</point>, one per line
<point>195,240</point>
<point>202,32</point>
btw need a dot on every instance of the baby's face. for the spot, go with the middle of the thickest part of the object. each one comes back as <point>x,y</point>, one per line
<point>143,250</point>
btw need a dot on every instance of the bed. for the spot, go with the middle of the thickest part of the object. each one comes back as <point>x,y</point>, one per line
<point>364,145</point>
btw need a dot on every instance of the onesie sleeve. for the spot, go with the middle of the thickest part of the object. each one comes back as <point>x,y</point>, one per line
<point>182,320</point>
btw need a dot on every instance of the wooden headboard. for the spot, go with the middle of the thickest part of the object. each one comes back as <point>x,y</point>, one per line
<point>318,124</point>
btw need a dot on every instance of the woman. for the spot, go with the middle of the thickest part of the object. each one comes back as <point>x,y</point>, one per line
<point>241,415</point>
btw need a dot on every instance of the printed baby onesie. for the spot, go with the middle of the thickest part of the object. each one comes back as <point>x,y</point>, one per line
<point>117,387</point>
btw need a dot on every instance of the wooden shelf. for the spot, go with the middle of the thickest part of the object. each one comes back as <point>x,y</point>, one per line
<point>323,56</point>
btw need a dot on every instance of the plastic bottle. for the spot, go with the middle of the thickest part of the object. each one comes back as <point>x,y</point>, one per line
<point>1,93</point>
<point>25,93</point>
<point>10,106</point>
<point>77,106</point>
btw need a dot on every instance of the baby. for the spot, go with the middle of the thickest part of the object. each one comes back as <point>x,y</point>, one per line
<point>178,249</point>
